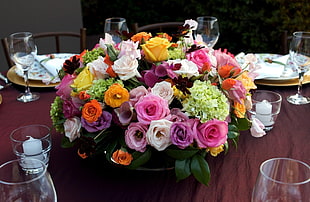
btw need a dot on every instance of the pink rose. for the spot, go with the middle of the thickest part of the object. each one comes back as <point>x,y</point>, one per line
<point>72,128</point>
<point>135,136</point>
<point>212,133</point>
<point>257,128</point>
<point>199,57</point>
<point>151,107</point>
<point>136,93</point>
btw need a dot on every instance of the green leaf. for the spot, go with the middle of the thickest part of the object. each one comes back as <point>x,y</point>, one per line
<point>233,131</point>
<point>181,154</point>
<point>200,169</point>
<point>111,52</point>
<point>241,123</point>
<point>65,142</point>
<point>110,149</point>
<point>140,158</point>
<point>182,169</point>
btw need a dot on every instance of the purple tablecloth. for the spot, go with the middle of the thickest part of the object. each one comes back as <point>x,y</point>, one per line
<point>232,175</point>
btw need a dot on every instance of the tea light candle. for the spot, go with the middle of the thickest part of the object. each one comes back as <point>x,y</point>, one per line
<point>33,147</point>
<point>263,112</point>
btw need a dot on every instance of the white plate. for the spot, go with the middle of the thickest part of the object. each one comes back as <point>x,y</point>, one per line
<point>37,70</point>
<point>285,71</point>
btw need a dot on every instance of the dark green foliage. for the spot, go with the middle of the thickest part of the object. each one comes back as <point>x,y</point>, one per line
<point>245,25</point>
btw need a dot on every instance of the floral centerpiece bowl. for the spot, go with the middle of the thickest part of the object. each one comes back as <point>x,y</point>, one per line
<point>168,98</point>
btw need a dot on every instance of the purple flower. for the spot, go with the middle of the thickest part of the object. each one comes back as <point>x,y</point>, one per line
<point>135,136</point>
<point>212,133</point>
<point>71,108</point>
<point>136,94</point>
<point>181,134</point>
<point>103,122</point>
<point>124,113</point>
<point>177,115</point>
<point>64,89</point>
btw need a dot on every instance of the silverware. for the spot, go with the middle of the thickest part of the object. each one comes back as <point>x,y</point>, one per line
<point>6,81</point>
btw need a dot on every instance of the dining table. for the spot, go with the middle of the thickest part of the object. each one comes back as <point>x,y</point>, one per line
<point>233,174</point>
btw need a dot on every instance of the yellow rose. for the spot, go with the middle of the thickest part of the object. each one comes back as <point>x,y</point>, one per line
<point>156,49</point>
<point>214,151</point>
<point>246,81</point>
<point>83,81</point>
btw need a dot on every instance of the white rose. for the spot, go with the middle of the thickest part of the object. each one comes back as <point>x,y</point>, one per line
<point>126,68</point>
<point>158,134</point>
<point>98,68</point>
<point>188,68</point>
<point>72,128</point>
<point>163,89</point>
<point>257,128</point>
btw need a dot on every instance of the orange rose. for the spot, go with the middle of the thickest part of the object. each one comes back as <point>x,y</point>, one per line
<point>83,95</point>
<point>239,109</point>
<point>226,71</point>
<point>116,95</point>
<point>156,49</point>
<point>142,37</point>
<point>246,81</point>
<point>122,157</point>
<point>92,111</point>
<point>228,83</point>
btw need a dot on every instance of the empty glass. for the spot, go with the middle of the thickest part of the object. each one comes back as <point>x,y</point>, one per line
<point>208,30</point>
<point>282,179</point>
<point>115,27</point>
<point>23,185</point>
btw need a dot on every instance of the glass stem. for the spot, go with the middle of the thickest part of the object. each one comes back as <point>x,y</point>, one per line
<point>27,89</point>
<point>300,78</point>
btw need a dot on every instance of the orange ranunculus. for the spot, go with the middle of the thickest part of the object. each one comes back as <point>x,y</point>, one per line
<point>142,37</point>
<point>239,109</point>
<point>164,35</point>
<point>156,49</point>
<point>83,95</point>
<point>82,155</point>
<point>206,67</point>
<point>92,111</point>
<point>246,81</point>
<point>226,71</point>
<point>116,95</point>
<point>228,83</point>
<point>109,70</point>
<point>122,157</point>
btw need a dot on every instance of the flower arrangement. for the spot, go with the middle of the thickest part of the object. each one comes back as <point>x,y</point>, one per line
<point>162,97</point>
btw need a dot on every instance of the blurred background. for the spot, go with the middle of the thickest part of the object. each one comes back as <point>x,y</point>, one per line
<point>245,25</point>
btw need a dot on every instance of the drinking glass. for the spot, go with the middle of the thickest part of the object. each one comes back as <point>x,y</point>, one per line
<point>208,30</point>
<point>22,51</point>
<point>282,179</point>
<point>300,53</point>
<point>32,141</point>
<point>115,27</point>
<point>23,185</point>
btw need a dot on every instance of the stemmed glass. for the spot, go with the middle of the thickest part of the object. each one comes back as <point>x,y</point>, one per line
<point>208,30</point>
<point>22,51</point>
<point>300,54</point>
<point>282,179</point>
<point>115,27</point>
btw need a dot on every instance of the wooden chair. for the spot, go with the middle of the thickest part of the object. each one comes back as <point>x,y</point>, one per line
<point>157,27</point>
<point>55,36</point>
<point>285,41</point>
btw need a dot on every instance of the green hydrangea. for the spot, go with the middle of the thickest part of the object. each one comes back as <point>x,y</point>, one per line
<point>206,102</point>
<point>92,55</point>
<point>176,53</point>
<point>57,115</point>
<point>96,91</point>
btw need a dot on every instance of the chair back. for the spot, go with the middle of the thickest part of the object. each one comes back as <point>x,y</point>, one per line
<point>157,27</point>
<point>55,37</point>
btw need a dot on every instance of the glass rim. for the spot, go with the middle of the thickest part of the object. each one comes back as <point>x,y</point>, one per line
<point>27,181</point>
<point>277,181</point>
<point>26,126</point>
<point>115,19</point>
<point>272,92</point>
<point>21,34</point>
<point>301,34</point>
<point>206,17</point>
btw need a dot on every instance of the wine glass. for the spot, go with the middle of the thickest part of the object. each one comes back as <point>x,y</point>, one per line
<point>300,54</point>
<point>282,179</point>
<point>26,180</point>
<point>207,30</point>
<point>22,51</point>
<point>116,26</point>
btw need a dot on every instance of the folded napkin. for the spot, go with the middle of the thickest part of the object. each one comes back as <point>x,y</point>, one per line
<point>52,66</point>
<point>273,69</point>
